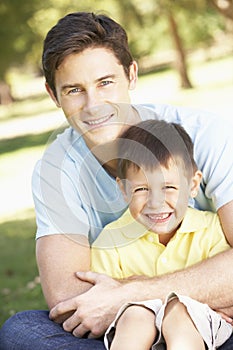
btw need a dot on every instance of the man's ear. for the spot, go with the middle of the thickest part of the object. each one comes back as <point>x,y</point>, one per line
<point>51,94</point>
<point>122,185</point>
<point>133,75</point>
<point>195,183</point>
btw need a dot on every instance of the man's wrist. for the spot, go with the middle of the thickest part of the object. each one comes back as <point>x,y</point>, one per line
<point>134,288</point>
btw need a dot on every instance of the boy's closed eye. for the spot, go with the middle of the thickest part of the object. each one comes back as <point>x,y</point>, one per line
<point>140,189</point>
<point>170,187</point>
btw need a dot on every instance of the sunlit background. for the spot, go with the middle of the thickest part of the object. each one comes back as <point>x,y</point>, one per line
<point>185,55</point>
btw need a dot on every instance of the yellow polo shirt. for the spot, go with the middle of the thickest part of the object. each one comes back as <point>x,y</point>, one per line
<point>125,248</point>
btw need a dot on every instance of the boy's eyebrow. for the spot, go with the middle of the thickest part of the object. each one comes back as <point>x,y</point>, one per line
<point>73,85</point>
<point>142,183</point>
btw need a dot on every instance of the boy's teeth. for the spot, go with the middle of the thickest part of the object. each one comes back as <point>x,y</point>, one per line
<point>159,216</point>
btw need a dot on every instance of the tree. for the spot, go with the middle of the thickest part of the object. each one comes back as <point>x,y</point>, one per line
<point>181,64</point>
<point>16,38</point>
<point>152,26</point>
<point>190,23</point>
<point>148,25</point>
<point>225,7</point>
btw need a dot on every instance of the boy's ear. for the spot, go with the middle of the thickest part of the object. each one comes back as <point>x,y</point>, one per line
<point>122,185</point>
<point>195,183</point>
<point>51,94</point>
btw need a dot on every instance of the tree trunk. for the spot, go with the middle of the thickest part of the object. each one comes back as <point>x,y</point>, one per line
<point>226,10</point>
<point>5,94</point>
<point>180,61</point>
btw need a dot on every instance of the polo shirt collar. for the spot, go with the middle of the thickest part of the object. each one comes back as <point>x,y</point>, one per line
<point>193,221</point>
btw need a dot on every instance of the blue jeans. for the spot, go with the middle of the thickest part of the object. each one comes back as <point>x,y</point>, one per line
<point>33,330</point>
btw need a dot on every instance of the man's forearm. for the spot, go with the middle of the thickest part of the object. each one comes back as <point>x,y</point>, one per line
<point>210,281</point>
<point>58,258</point>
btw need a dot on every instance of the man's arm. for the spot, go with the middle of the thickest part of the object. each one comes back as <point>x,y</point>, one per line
<point>58,257</point>
<point>210,281</point>
<point>225,214</point>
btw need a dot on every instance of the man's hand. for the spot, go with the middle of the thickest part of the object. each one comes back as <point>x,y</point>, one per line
<point>224,313</point>
<point>92,311</point>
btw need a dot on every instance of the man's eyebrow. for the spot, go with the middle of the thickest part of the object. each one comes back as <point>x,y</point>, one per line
<point>108,76</point>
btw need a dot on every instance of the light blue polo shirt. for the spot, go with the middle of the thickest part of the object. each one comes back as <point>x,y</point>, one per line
<point>74,194</point>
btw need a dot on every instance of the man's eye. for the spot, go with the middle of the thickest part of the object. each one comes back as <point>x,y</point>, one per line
<point>106,82</point>
<point>74,91</point>
<point>140,189</point>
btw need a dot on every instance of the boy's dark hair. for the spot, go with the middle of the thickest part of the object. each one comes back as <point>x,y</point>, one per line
<point>151,143</point>
<point>81,30</point>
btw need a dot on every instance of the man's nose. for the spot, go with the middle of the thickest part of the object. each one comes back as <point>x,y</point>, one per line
<point>92,99</point>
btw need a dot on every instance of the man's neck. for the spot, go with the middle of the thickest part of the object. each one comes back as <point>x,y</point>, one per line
<point>111,167</point>
<point>106,154</point>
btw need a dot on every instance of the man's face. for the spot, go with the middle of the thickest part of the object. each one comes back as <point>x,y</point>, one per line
<point>93,91</point>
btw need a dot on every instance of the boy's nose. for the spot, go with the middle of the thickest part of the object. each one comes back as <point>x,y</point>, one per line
<point>155,201</point>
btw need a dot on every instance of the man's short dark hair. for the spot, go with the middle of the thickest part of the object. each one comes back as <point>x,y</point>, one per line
<point>81,30</point>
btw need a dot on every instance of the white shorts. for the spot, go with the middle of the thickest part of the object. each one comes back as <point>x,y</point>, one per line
<point>212,327</point>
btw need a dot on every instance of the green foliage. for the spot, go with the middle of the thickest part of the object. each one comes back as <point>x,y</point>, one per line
<point>198,25</point>
<point>16,36</point>
<point>24,23</point>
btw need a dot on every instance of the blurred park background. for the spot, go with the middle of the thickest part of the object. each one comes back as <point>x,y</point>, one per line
<point>185,55</point>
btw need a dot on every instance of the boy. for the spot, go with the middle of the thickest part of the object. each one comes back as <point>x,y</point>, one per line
<point>158,234</point>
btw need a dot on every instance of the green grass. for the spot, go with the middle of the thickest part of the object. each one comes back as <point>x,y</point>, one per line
<point>21,142</point>
<point>26,107</point>
<point>19,284</point>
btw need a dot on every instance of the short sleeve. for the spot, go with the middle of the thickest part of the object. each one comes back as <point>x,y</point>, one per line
<point>57,203</point>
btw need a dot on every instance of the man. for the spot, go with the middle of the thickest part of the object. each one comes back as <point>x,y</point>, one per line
<point>89,71</point>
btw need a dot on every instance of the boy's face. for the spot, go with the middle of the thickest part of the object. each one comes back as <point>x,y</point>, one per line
<point>92,89</point>
<point>158,198</point>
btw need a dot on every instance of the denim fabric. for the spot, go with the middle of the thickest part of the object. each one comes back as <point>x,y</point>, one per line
<point>228,345</point>
<point>33,330</point>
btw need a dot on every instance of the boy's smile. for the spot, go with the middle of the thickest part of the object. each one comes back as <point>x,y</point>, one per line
<point>159,197</point>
